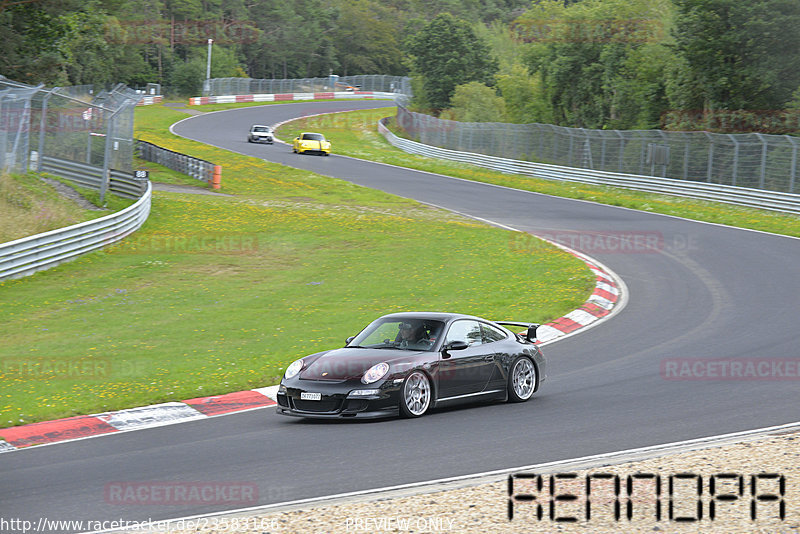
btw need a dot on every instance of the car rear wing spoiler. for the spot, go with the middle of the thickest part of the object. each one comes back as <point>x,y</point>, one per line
<point>530,334</point>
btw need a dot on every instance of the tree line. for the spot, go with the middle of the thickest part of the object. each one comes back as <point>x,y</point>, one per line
<point>720,65</point>
<point>76,42</point>
<point>624,64</point>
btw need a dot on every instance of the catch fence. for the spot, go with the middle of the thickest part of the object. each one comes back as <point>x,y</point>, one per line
<point>250,86</point>
<point>39,124</point>
<point>751,160</point>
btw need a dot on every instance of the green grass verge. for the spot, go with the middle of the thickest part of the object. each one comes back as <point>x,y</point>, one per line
<point>30,206</point>
<point>219,294</point>
<point>354,134</point>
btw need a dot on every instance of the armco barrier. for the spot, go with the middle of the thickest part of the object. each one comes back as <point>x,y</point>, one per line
<point>150,100</point>
<point>196,168</point>
<point>39,252</point>
<point>120,183</point>
<point>281,97</point>
<point>742,196</point>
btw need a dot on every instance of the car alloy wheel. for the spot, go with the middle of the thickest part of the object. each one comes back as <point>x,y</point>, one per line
<point>522,380</point>
<point>416,395</point>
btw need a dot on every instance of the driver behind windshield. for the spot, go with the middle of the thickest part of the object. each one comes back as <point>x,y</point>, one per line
<point>412,335</point>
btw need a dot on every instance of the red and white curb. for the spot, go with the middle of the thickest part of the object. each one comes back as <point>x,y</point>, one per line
<point>286,97</point>
<point>607,293</point>
<point>84,426</point>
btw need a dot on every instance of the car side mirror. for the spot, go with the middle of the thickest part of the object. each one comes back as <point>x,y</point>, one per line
<point>456,345</point>
<point>348,340</point>
<point>531,335</point>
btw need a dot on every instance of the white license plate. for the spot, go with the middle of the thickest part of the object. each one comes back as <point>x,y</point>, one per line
<point>305,395</point>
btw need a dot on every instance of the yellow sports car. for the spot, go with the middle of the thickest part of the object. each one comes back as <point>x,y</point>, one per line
<point>311,142</point>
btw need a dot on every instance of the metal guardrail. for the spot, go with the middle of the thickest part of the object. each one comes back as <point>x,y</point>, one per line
<point>39,252</point>
<point>120,183</point>
<point>742,196</point>
<point>191,166</point>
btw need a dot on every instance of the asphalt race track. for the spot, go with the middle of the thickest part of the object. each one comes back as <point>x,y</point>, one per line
<point>706,292</point>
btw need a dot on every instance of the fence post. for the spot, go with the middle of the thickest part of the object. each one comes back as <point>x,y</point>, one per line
<point>25,122</point>
<point>642,153</point>
<point>105,178</point>
<point>710,157</point>
<point>685,158</point>
<point>571,143</point>
<point>540,131</point>
<point>555,143</point>
<point>763,160</point>
<point>106,158</point>
<point>735,159</point>
<point>793,170</point>
<point>43,127</point>
<point>3,136</point>
<point>603,153</point>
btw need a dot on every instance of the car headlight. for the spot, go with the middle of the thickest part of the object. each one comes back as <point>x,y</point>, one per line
<point>364,393</point>
<point>294,368</point>
<point>375,373</point>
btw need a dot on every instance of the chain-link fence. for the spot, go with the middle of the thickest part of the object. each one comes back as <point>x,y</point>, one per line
<point>250,86</point>
<point>17,113</point>
<point>38,125</point>
<point>747,160</point>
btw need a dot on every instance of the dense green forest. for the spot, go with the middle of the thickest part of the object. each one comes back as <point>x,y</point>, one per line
<point>585,63</point>
<point>74,42</point>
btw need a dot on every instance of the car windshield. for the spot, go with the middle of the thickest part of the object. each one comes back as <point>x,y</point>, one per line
<point>399,333</point>
<point>313,137</point>
<point>260,129</point>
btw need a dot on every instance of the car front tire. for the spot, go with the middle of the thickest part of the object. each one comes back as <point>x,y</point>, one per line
<point>415,396</point>
<point>522,380</point>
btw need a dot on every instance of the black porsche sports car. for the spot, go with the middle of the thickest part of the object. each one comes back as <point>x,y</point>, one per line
<point>407,363</point>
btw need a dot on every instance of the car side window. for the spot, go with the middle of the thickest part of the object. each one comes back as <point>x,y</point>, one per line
<point>492,334</point>
<point>465,330</point>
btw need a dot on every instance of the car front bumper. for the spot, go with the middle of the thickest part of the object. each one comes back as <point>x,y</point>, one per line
<point>336,402</point>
